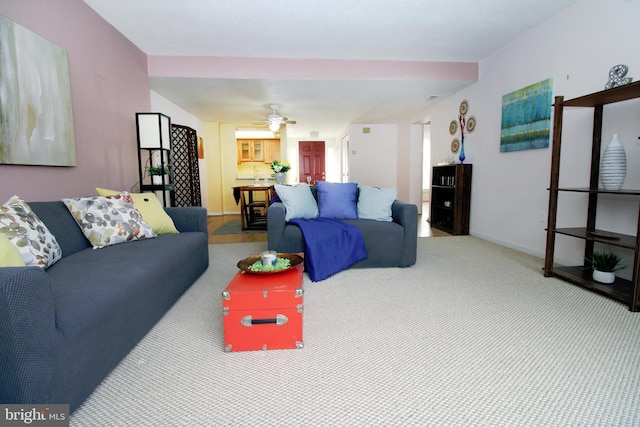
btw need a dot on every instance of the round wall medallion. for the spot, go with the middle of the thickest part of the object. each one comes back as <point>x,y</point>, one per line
<point>455,145</point>
<point>453,127</point>
<point>471,124</point>
<point>464,107</point>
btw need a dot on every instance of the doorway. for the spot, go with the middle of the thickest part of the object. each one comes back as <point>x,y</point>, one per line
<point>426,173</point>
<point>311,159</point>
<point>344,161</point>
<point>426,163</point>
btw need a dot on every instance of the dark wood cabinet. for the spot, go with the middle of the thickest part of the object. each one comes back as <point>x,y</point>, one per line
<point>451,198</point>
<point>623,290</point>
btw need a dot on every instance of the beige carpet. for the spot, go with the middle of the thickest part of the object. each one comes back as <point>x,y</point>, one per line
<point>473,334</point>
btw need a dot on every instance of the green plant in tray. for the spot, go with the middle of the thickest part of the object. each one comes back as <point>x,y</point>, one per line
<point>281,264</point>
<point>157,170</point>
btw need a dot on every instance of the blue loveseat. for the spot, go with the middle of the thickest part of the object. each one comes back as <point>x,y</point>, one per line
<point>388,243</point>
<point>62,330</point>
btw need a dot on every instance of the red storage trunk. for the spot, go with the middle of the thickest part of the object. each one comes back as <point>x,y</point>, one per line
<point>263,311</point>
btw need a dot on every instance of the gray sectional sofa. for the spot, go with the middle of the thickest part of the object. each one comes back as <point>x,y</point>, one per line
<point>62,330</point>
<point>388,244</point>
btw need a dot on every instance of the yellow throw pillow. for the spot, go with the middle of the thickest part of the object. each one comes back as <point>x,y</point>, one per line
<point>150,208</point>
<point>9,254</point>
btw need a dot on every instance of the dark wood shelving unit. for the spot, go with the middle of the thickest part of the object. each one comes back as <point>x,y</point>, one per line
<point>451,198</point>
<point>154,149</point>
<point>626,291</point>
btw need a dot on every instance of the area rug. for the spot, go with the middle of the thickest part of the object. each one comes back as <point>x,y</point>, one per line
<point>234,227</point>
<point>472,335</point>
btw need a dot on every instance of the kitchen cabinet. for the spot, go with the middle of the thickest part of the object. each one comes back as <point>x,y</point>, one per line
<point>250,150</point>
<point>271,150</point>
<point>258,150</point>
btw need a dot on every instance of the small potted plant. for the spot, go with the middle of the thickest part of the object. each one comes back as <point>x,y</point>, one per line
<point>280,168</point>
<point>605,264</point>
<point>156,173</point>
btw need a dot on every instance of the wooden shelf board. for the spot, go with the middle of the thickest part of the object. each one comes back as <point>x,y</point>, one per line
<point>624,191</point>
<point>157,187</point>
<point>609,96</point>
<point>621,289</point>
<point>621,240</point>
<point>444,208</point>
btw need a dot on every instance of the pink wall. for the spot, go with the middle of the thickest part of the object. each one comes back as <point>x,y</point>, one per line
<point>109,83</point>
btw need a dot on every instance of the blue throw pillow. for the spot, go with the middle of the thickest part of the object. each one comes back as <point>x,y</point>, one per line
<point>337,199</point>
<point>375,203</point>
<point>297,200</point>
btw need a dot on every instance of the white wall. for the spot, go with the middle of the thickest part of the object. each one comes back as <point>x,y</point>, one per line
<point>509,199</point>
<point>179,116</point>
<point>414,175</point>
<point>388,156</point>
<point>426,161</point>
<point>373,156</point>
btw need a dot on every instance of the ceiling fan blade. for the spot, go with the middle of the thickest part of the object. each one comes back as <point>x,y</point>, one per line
<point>274,117</point>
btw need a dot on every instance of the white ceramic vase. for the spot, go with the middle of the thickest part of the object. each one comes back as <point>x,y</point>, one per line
<point>607,277</point>
<point>157,180</point>
<point>279,177</point>
<point>613,165</point>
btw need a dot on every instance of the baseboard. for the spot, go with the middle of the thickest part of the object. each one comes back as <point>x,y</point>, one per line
<point>510,245</point>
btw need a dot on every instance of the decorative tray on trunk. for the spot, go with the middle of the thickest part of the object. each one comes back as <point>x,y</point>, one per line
<point>246,264</point>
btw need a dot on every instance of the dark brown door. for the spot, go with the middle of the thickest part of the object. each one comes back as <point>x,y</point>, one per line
<point>311,161</point>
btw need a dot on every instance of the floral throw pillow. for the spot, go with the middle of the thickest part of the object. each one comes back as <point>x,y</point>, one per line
<point>36,244</point>
<point>109,220</point>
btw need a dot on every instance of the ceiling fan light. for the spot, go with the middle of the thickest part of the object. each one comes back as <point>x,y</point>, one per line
<point>274,126</point>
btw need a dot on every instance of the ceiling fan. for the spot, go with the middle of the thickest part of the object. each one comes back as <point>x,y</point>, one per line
<point>275,120</point>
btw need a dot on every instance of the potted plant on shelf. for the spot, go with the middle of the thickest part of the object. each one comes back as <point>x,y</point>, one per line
<point>156,173</point>
<point>605,264</point>
<point>280,168</point>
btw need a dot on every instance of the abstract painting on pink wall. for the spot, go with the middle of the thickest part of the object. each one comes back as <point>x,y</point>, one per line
<point>36,119</point>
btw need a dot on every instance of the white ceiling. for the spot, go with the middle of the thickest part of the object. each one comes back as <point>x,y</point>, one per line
<point>389,30</point>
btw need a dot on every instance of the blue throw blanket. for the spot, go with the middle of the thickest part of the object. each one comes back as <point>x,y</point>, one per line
<point>330,246</point>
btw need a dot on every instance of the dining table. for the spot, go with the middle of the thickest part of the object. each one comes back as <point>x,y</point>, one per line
<point>254,200</point>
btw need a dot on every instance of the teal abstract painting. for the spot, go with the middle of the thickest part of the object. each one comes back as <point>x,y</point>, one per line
<point>526,117</point>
